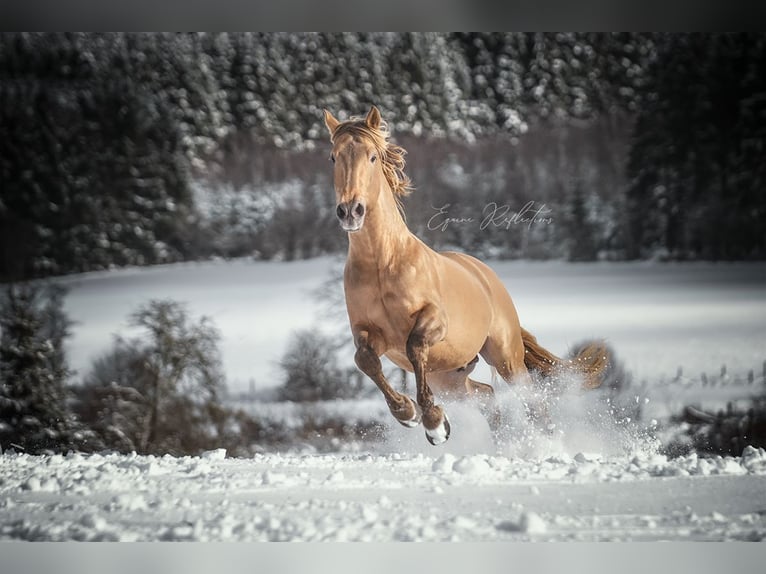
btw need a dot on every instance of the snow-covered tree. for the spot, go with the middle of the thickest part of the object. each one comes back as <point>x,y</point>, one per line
<point>34,410</point>
<point>102,136</point>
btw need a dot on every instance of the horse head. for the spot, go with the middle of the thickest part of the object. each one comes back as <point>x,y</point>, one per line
<point>356,155</point>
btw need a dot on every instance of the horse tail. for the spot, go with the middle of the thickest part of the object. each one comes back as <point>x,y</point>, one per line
<point>537,358</point>
<point>590,362</point>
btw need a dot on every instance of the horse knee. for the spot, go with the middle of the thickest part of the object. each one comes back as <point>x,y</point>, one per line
<point>368,361</point>
<point>430,328</point>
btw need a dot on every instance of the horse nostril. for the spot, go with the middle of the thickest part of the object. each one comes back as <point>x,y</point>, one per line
<point>341,211</point>
<point>359,210</point>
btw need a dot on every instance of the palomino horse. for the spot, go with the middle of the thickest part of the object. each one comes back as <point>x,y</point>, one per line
<point>430,313</point>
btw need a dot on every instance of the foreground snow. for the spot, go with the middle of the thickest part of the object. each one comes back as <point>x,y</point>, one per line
<point>382,497</point>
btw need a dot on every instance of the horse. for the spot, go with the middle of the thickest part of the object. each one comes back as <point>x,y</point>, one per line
<point>431,313</point>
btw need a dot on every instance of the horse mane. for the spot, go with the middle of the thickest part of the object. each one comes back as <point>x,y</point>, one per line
<point>391,156</point>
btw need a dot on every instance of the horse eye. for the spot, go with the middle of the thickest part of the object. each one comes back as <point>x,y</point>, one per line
<point>332,157</point>
<point>373,158</point>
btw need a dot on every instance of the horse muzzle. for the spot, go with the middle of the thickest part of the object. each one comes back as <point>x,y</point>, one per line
<point>351,215</point>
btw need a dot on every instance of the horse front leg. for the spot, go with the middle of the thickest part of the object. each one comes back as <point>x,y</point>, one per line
<point>367,358</point>
<point>430,328</point>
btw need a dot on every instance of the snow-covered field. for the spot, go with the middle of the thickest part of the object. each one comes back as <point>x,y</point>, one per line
<point>591,478</point>
<point>255,306</point>
<point>657,316</point>
<point>393,497</point>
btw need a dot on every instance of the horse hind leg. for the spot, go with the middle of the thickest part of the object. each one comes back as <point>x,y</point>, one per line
<point>507,358</point>
<point>509,361</point>
<point>459,386</point>
<point>482,393</point>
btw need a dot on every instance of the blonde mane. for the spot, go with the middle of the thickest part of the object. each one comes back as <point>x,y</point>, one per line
<point>391,156</point>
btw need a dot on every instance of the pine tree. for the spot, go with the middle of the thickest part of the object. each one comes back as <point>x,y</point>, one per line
<point>34,414</point>
<point>695,180</point>
<point>582,241</point>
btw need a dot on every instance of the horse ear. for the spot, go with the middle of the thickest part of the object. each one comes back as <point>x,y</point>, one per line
<point>330,121</point>
<point>373,118</point>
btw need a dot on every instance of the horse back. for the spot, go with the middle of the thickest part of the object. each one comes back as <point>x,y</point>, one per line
<point>480,271</point>
<point>504,313</point>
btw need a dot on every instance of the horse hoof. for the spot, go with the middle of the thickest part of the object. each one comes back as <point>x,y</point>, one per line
<point>440,434</point>
<point>412,421</point>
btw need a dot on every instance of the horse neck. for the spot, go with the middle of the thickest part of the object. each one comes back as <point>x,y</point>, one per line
<point>384,237</point>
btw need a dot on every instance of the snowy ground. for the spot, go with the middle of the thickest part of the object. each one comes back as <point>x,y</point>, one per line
<point>592,477</point>
<point>382,497</point>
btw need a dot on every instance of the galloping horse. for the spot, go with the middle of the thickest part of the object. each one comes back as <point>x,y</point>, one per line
<point>430,313</point>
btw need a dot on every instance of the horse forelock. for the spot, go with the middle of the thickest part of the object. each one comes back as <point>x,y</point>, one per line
<point>391,156</point>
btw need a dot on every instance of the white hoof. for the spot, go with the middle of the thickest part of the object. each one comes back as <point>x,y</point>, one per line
<point>411,423</point>
<point>440,434</point>
<point>415,420</point>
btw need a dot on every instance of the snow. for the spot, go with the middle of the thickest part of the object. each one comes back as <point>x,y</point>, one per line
<point>381,497</point>
<point>658,317</point>
<point>255,306</point>
<point>585,475</point>
<point>592,478</point>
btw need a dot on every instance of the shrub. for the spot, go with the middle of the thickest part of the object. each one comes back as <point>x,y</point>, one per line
<point>160,393</point>
<point>312,372</point>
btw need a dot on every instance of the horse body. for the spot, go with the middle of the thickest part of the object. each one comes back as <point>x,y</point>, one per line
<point>430,313</point>
<point>392,298</point>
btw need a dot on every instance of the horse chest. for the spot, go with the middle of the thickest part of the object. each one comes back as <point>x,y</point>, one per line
<point>379,303</point>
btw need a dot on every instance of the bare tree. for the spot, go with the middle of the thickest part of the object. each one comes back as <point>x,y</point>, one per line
<point>161,392</point>
<point>312,372</point>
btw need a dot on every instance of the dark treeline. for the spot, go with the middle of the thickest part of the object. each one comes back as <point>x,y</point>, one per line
<point>134,149</point>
